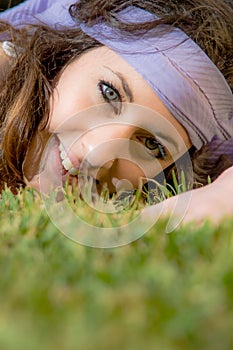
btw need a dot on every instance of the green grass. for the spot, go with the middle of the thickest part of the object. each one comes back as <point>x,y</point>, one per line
<point>163,291</point>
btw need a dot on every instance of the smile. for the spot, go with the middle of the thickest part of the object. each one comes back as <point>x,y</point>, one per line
<point>66,162</point>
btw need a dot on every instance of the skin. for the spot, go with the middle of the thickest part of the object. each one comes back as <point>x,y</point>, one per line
<point>90,89</point>
<point>213,202</point>
<point>200,204</point>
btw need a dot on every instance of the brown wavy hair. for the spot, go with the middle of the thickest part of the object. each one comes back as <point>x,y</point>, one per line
<point>44,52</point>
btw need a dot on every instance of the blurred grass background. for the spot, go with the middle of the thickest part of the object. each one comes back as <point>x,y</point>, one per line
<point>164,291</point>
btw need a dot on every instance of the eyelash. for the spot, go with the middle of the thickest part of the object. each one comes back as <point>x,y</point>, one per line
<point>116,105</point>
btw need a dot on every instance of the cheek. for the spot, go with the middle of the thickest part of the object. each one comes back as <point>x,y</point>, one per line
<point>64,108</point>
<point>68,100</point>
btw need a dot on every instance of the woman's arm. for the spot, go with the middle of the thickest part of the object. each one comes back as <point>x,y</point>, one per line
<point>213,202</point>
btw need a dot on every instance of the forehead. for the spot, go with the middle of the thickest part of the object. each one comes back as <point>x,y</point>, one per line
<point>103,55</point>
<point>96,60</point>
<point>103,63</point>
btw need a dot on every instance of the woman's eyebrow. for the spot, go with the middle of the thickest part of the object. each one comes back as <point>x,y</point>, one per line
<point>124,84</point>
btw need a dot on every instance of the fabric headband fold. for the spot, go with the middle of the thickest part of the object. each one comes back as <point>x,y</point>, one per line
<point>178,70</point>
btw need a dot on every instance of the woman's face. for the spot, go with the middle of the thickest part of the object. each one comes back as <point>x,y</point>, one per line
<point>104,116</point>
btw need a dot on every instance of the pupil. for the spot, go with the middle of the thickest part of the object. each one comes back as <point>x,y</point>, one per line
<point>151,143</point>
<point>111,94</point>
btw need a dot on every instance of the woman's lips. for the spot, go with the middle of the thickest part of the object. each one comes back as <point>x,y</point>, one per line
<point>48,165</point>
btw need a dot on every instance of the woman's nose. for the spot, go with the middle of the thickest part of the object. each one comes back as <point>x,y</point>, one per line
<point>99,147</point>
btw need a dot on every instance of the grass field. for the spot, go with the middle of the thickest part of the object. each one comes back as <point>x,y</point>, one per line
<point>163,291</point>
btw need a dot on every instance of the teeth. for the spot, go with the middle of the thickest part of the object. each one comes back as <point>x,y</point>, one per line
<point>73,171</point>
<point>61,148</point>
<point>63,155</point>
<point>66,162</point>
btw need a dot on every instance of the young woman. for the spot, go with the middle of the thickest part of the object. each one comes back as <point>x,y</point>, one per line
<point>152,70</point>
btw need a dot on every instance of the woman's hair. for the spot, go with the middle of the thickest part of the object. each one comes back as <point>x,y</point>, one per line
<point>208,22</point>
<point>26,90</point>
<point>44,52</point>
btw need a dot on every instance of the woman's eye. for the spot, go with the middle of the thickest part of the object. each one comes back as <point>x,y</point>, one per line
<point>151,143</point>
<point>155,147</point>
<point>111,95</point>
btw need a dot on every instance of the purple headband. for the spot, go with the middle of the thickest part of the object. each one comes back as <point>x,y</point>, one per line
<point>181,74</point>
